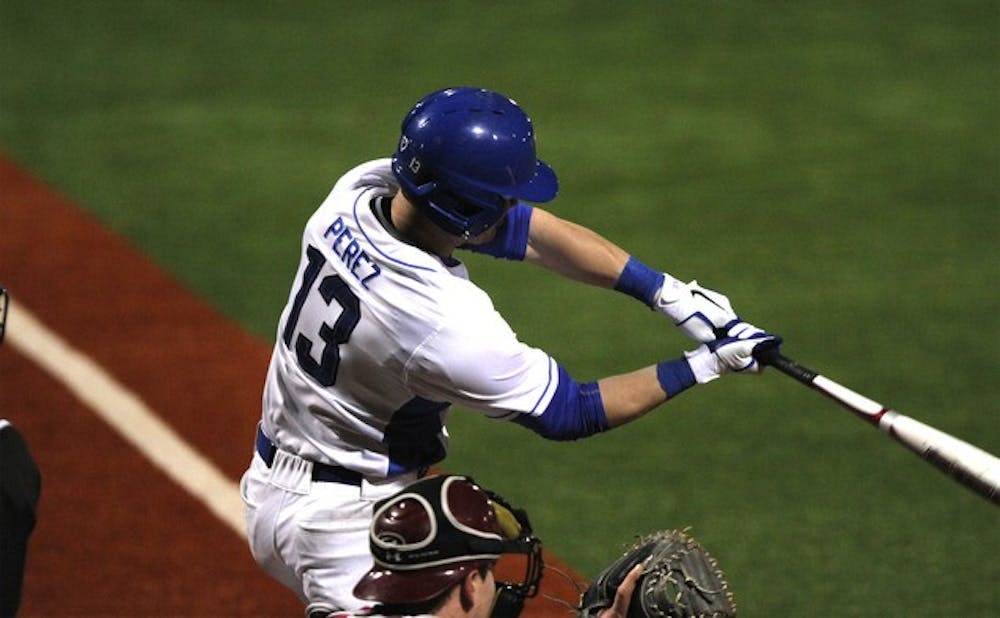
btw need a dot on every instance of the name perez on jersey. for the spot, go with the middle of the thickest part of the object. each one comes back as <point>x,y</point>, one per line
<point>349,250</point>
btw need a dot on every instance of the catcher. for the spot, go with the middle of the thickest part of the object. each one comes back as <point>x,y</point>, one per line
<point>436,542</point>
<point>667,574</point>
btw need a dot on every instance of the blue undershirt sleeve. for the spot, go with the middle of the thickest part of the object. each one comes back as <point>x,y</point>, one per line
<point>511,239</point>
<point>575,411</point>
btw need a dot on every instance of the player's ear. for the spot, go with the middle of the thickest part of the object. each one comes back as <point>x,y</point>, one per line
<point>471,584</point>
<point>467,590</point>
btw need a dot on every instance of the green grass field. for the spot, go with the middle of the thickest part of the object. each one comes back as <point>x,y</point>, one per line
<point>835,169</point>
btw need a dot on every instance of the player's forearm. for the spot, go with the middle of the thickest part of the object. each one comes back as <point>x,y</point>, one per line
<point>583,255</point>
<point>579,410</point>
<point>573,251</point>
<point>629,396</point>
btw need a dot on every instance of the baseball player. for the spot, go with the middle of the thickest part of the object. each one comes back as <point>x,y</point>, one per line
<point>436,543</point>
<point>384,332</point>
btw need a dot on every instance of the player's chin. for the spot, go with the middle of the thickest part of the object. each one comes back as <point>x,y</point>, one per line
<point>483,238</point>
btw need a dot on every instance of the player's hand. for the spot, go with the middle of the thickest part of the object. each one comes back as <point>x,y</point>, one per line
<point>738,329</point>
<point>702,314</point>
<point>730,354</point>
<point>619,609</point>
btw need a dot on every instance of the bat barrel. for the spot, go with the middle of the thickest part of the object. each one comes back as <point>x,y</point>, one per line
<point>965,463</point>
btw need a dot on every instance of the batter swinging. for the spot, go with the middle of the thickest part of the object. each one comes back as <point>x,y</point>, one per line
<point>384,332</point>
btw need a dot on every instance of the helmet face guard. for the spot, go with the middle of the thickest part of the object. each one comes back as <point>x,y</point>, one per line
<point>460,211</point>
<point>510,597</point>
<point>465,154</point>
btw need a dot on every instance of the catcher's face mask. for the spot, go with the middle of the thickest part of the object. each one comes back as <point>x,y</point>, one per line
<point>429,536</point>
<point>518,539</point>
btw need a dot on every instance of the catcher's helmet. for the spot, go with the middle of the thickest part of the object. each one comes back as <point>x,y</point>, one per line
<point>429,536</point>
<point>464,154</point>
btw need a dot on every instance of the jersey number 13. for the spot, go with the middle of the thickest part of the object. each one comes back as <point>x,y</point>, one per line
<point>330,288</point>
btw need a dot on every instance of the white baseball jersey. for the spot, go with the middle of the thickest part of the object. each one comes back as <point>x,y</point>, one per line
<point>379,338</point>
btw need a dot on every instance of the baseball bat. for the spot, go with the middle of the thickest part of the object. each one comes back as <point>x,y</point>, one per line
<point>967,464</point>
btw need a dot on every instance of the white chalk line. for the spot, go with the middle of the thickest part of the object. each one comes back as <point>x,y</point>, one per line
<point>125,412</point>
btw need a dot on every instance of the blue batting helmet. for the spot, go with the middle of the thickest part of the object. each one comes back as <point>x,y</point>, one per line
<point>464,153</point>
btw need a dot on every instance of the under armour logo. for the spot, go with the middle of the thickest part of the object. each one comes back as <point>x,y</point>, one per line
<point>393,556</point>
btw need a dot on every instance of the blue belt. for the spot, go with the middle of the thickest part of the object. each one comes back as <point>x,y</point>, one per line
<point>321,472</point>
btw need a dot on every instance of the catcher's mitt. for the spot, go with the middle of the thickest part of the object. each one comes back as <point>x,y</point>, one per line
<point>680,580</point>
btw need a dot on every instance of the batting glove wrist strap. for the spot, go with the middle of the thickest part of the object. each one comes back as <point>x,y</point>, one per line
<point>705,365</point>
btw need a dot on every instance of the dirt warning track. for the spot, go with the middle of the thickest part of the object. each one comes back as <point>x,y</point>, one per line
<point>134,519</point>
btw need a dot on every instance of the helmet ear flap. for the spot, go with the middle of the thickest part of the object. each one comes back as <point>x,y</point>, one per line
<point>459,215</point>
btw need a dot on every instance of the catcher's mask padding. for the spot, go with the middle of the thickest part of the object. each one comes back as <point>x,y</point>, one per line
<point>429,536</point>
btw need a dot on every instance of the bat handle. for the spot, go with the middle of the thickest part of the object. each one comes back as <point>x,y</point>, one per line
<point>771,356</point>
